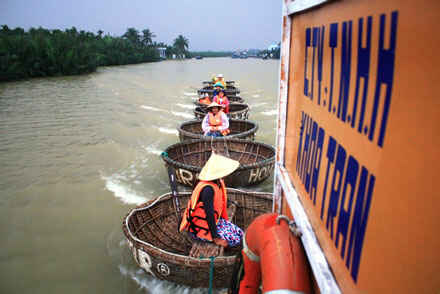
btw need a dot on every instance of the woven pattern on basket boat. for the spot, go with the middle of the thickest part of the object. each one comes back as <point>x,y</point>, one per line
<point>192,155</point>
<point>242,129</point>
<point>230,90</point>
<point>152,228</point>
<point>231,98</point>
<point>236,110</point>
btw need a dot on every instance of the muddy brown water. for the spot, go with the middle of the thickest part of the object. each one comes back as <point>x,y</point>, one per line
<point>77,153</point>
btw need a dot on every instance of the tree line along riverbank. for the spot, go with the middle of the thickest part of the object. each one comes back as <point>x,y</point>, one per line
<point>40,52</point>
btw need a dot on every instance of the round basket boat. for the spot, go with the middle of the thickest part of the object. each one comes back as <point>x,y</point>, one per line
<point>157,247</point>
<point>236,111</point>
<point>241,129</point>
<point>235,99</point>
<point>232,99</point>
<point>188,158</point>
<point>211,83</point>
<point>230,90</point>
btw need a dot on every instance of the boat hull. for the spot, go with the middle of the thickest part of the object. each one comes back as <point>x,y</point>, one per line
<point>151,232</point>
<point>230,90</point>
<point>240,129</point>
<point>187,158</point>
<point>236,111</point>
<point>232,99</point>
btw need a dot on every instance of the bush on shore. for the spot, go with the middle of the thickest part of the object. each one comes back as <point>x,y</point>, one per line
<point>41,52</point>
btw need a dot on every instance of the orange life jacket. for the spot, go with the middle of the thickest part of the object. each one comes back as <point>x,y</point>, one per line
<point>215,120</point>
<point>205,100</point>
<point>221,81</point>
<point>194,217</point>
<point>222,101</point>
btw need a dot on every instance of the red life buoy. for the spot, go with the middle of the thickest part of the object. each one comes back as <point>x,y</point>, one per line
<point>274,256</point>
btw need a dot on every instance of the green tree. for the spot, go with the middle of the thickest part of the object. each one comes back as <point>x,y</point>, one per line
<point>181,46</point>
<point>42,52</point>
<point>4,29</point>
<point>132,35</point>
<point>277,51</point>
<point>147,37</point>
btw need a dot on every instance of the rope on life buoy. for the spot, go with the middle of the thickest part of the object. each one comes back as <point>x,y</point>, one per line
<point>273,256</point>
<point>292,225</point>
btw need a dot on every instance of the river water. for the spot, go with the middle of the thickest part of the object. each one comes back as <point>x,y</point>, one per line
<point>77,153</point>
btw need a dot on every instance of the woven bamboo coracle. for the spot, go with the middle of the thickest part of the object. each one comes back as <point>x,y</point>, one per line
<point>241,129</point>
<point>232,99</point>
<point>188,158</point>
<point>235,99</point>
<point>211,83</point>
<point>158,247</point>
<point>230,90</point>
<point>236,110</point>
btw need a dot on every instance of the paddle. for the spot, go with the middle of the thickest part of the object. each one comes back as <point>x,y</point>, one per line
<point>174,193</point>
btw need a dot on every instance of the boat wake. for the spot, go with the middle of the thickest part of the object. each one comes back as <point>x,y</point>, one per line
<point>152,285</point>
<point>119,252</point>
<point>186,106</point>
<point>115,184</point>
<point>270,112</point>
<point>153,150</point>
<point>152,108</point>
<point>175,113</point>
<point>183,114</point>
<point>168,131</point>
<point>259,104</point>
<point>189,94</point>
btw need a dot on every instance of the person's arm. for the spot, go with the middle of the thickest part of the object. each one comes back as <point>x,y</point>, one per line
<point>227,104</point>
<point>226,101</point>
<point>205,125</point>
<point>207,197</point>
<point>225,122</point>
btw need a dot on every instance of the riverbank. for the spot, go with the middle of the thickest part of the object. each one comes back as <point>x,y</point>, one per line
<point>41,52</point>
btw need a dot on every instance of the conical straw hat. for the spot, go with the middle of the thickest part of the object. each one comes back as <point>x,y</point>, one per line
<point>214,104</point>
<point>217,167</point>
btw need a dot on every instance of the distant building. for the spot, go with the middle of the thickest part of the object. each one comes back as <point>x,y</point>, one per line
<point>240,54</point>
<point>273,47</point>
<point>236,54</point>
<point>162,53</point>
<point>253,52</point>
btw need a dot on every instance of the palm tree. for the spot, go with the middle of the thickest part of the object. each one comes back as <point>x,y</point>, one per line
<point>147,38</point>
<point>132,35</point>
<point>181,45</point>
<point>5,29</point>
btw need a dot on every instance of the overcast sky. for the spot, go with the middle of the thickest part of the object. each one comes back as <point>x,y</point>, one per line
<point>208,25</point>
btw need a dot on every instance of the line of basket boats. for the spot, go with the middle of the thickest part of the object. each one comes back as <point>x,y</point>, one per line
<point>151,228</point>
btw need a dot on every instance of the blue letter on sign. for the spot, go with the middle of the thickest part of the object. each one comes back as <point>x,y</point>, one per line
<point>306,82</point>
<point>385,74</point>
<point>359,224</point>
<point>363,71</point>
<point>336,188</point>
<point>351,176</point>
<point>333,43</point>
<point>345,70</point>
